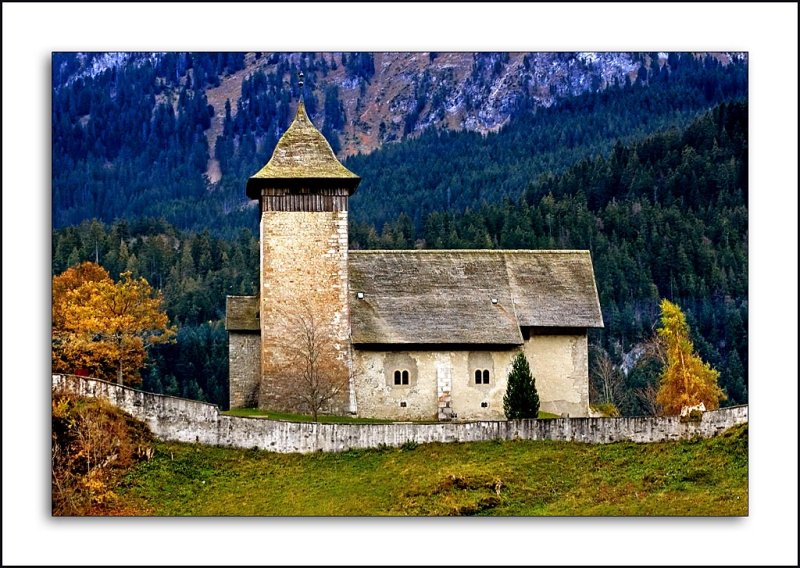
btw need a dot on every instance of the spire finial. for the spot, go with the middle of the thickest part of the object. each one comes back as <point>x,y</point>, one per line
<point>300,84</point>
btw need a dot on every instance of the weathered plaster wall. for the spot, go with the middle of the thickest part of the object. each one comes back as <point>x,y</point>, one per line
<point>439,377</point>
<point>560,365</point>
<point>303,261</point>
<point>181,420</point>
<point>378,397</point>
<point>244,364</point>
<point>468,396</point>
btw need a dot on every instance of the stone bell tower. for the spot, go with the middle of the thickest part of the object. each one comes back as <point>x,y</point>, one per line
<point>303,193</point>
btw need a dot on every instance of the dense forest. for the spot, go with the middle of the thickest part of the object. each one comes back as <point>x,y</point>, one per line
<point>643,174</point>
<point>446,170</point>
<point>130,141</point>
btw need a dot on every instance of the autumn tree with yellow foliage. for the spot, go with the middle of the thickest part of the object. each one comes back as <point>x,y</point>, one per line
<point>103,326</point>
<point>686,379</point>
<point>69,289</point>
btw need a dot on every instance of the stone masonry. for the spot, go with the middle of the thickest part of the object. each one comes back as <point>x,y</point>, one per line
<point>244,364</point>
<point>303,264</point>
<point>181,420</point>
<point>444,385</point>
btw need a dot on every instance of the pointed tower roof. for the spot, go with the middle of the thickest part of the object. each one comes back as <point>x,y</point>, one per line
<point>304,158</point>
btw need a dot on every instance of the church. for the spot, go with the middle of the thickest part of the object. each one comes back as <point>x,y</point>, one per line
<point>415,334</point>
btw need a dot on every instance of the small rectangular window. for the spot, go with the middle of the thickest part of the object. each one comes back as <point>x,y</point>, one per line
<point>403,404</point>
<point>484,405</point>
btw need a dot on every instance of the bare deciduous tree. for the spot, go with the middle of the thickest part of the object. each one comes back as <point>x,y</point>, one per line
<point>653,350</point>
<point>315,370</point>
<point>647,397</point>
<point>608,378</point>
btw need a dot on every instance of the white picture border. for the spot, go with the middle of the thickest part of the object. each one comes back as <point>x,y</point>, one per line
<point>767,31</point>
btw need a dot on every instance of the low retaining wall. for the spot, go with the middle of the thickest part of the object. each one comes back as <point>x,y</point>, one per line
<point>181,420</point>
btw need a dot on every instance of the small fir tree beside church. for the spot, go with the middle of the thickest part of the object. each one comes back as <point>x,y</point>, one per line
<point>521,399</point>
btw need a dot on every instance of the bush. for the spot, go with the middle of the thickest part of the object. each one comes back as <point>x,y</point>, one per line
<point>521,399</point>
<point>93,445</point>
<point>692,416</point>
<point>607,409</point>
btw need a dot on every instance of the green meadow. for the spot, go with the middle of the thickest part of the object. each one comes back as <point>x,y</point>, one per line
<point>528,478</point>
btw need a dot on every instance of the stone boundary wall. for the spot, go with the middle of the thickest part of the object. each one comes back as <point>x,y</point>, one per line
<point>182,420</point>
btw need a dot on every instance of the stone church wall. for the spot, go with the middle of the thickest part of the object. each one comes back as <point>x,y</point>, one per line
<point>181,420</point>
<point>244,364</point>
<point>559,364</point>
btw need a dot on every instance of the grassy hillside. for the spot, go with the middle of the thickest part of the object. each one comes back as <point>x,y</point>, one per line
<point>706,477</point>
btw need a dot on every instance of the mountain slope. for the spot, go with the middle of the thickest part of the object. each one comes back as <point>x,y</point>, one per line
<point>150,134</point>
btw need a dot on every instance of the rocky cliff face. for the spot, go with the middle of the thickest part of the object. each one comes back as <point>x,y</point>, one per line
<point>401,94</point>
<point>385,97</point>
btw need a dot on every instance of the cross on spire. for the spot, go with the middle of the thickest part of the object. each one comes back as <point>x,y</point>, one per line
<point>300,84</point>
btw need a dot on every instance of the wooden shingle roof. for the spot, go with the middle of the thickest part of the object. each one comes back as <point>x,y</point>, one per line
<point>302,157</point>
<point>554,288</point>
<point>446,297</point>
<point>438,297</point>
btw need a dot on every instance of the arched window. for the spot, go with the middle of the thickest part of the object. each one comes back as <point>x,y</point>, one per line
<point>481,376</point>
<point>401,377</point>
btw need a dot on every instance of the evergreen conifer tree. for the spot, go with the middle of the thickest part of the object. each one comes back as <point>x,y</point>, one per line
<point>521,399</point>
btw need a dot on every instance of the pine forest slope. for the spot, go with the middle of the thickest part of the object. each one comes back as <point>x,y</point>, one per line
<point>152,135</point>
